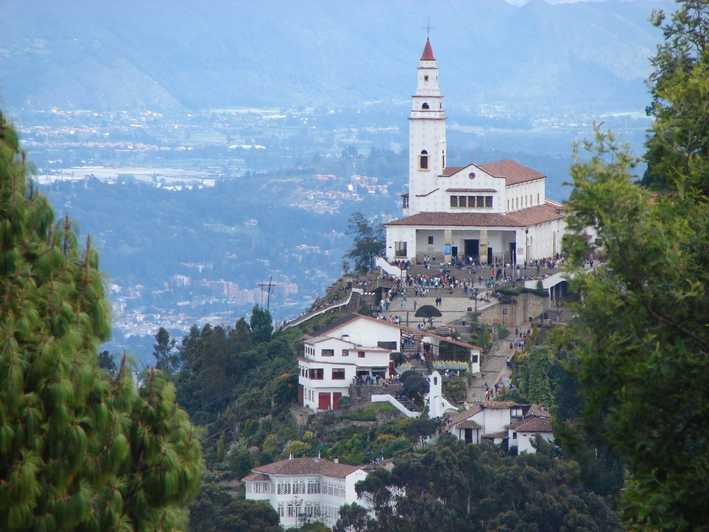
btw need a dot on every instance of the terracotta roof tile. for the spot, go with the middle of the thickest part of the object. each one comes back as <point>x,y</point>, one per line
<point>460,417</point>
<point>451,170</point>
<point>346,319</point>
<point>307,466</point>
<point>535,424</point>
<point>522,218</point>
<point>513,172</point>
<point>494,435</point>
<point>256,476</point>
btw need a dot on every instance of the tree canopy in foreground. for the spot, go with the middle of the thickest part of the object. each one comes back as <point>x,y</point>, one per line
<point>78,449</point>
<point>641,337</point>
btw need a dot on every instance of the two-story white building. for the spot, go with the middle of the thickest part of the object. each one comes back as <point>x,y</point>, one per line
<point>355,346</point>
<point>485,212</point>
<point>500,421</point>
<point>305,490</point>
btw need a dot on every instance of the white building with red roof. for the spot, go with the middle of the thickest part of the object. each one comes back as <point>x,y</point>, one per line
<point>502,422</point>
<point>305,490</point>
<point>354,347</point>
<point>486,212</point>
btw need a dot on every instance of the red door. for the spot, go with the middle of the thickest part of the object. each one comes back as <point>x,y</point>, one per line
<point>300,394</point>
<point>336,396</point>
<point>324,401</point>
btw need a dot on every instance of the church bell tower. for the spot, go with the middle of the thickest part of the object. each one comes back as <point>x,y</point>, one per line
<point>427,130</point>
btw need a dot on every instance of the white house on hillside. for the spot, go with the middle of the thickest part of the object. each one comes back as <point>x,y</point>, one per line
<point>355,346</point>
<point>486,212</point>
<point>304,490</point>
<point>523,434</point>
<point>498,421</point>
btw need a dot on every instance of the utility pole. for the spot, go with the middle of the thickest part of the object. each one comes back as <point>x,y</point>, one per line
<point>268,286</point>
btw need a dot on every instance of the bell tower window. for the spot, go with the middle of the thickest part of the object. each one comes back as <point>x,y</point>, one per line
<point>424,106</point>
<point>425,78</point>
<point>423,160</point>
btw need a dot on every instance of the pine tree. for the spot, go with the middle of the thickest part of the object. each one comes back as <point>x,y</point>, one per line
<point>163,351</point>
<point>261,324</point>
<point>69,436</point>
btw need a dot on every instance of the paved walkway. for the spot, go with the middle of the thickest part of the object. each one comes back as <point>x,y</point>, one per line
<point>493,370</point>
<point>452,308</point>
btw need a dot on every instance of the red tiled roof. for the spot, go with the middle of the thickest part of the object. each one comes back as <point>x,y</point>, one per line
<point>495,435</point>
<point>427,54</point>
<point>522,218</point>
<point>535,424</point>
<point>255,476</point>
<point>513,172</point>
<point>346,319</point>
<point>459,417</point>
<point>450,170</point>
<point>307,466</point>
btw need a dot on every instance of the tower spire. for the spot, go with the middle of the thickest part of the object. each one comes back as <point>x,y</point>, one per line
<point>427,54</point>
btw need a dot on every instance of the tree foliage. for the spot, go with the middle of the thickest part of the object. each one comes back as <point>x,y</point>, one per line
<point>678,146</point>
<point>457,487</point>
<point>217,510</point>
<point>640,336</point>
<point>367,242</point>
<point>261,324</point>
<point>163,352</point>
<point>77,450</point>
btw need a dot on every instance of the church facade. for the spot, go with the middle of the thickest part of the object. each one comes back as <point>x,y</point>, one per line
<point>484,212</point>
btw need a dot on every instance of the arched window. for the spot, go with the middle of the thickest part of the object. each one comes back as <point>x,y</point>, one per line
<point>443,159</point>
<point>424,106</point>
<point>423,160</point>
<point>425,78</point>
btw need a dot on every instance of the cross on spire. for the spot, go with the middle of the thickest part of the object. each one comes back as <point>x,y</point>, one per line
<point>428,27</point>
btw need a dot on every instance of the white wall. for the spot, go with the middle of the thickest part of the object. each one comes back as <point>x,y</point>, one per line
<point>543,240</point>
<point>334,502</point>
<point>422,245</point>
<point>350,484</point>
<point>367,332</point>
<point>400,233</point>
<point>525,441</point>
<point>525,195</point>
<point>493,419</point>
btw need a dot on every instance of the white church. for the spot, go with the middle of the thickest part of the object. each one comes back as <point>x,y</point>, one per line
<point>491,212</point>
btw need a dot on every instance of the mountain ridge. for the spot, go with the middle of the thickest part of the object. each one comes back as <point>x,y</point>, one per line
<point>579,55</point>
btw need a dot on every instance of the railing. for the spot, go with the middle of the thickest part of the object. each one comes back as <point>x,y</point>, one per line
<point>393,401</point>
<point>387,267</point>
<point>307,317</point>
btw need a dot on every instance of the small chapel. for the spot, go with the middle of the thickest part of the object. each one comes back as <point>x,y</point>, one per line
<point>494,212</point>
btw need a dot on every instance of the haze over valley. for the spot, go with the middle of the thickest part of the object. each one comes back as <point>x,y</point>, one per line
<point>201,178</point>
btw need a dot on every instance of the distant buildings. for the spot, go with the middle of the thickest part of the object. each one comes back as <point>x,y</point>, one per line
<point>304,490</point>
<point>494,212</point>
